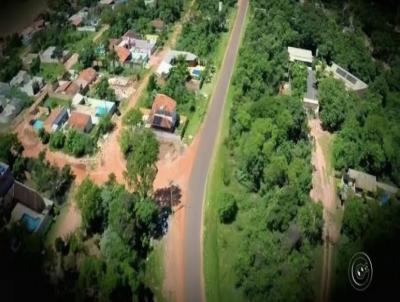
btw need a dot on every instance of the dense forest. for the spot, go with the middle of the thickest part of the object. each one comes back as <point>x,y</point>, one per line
<point>200,34</point>
<point>268,169</point>
<point>269,166</point>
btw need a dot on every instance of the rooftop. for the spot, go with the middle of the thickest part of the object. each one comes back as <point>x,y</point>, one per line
<point>300,54</point>
<point>86,77</point>
<point>79,120</point>
<point>123,54</point>
<point>68,87</point>
<point>350,80</point>
<point>163,103</point>
<point>362,180</point>
<point>174,54</point>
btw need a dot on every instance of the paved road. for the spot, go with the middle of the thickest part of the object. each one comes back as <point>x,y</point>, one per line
<point>193,264</point>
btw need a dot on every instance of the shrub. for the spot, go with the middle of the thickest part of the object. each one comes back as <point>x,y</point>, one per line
<point>133,117</point>
<point>228,209</point>
<point>105,125</point>
<point>57,140</point>
<point>78,143</point>
<point>44,136</point>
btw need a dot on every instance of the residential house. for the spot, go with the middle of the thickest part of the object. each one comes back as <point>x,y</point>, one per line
<point>23,204</point>
<point>27,84</point>
<point>163,113</point>
<point>67,88</point>
<point>80,121</point>
<point>48,56</point>
<point>57,118</point>
<point>79,18</point>
<point>123,54</point>
<point>351,81</point>
<point>300,54</point>
<point>158,25</point>
<point>364,183</point>
<point>94,107</point>
<point>170,59</point>
<point>136,44</point>
<point>139,58</point>
<point>10,107</point>
<point>85,78</point>
<point>129,38</point>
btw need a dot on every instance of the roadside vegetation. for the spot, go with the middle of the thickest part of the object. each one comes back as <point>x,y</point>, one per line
<point>271,249</point>
<point>262,210</point>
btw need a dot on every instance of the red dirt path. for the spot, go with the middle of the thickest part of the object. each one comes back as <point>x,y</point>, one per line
<point>176,171</point>
<point>324,191</point>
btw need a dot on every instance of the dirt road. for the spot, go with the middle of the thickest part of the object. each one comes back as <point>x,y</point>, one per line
<point>193,263</point>
<point>324,191</point>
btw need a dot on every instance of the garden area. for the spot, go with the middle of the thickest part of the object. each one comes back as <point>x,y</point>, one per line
<point>51,71</point>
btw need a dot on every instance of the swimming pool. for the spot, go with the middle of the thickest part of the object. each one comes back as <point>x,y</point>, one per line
<point>38,124</point>
<point>30,222</point>
<point>196,72</point>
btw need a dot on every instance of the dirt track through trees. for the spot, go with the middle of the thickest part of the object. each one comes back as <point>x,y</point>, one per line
<point>324,191</point>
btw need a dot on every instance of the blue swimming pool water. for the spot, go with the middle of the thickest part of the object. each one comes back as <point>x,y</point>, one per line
<point>197,72</point>
<point>38,124</point>
<point>30,223</point>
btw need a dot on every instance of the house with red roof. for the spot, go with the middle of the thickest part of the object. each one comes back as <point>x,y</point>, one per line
<point>80,121</point>
<point>123,54</point>
<point>163,114</point>
<point>85,78</point>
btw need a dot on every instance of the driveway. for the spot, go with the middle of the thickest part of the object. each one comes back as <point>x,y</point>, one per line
<point>193,246</point>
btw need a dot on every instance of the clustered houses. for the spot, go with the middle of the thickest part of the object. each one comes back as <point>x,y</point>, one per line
<point>69,88</point>
<point>22,204</point>
<point>83,113</point>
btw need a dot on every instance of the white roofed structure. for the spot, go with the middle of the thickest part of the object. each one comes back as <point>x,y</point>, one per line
<point>351,81</point>
<point>300,54</point>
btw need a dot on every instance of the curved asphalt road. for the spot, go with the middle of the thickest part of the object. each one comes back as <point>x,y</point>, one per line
<point>193,263</point>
